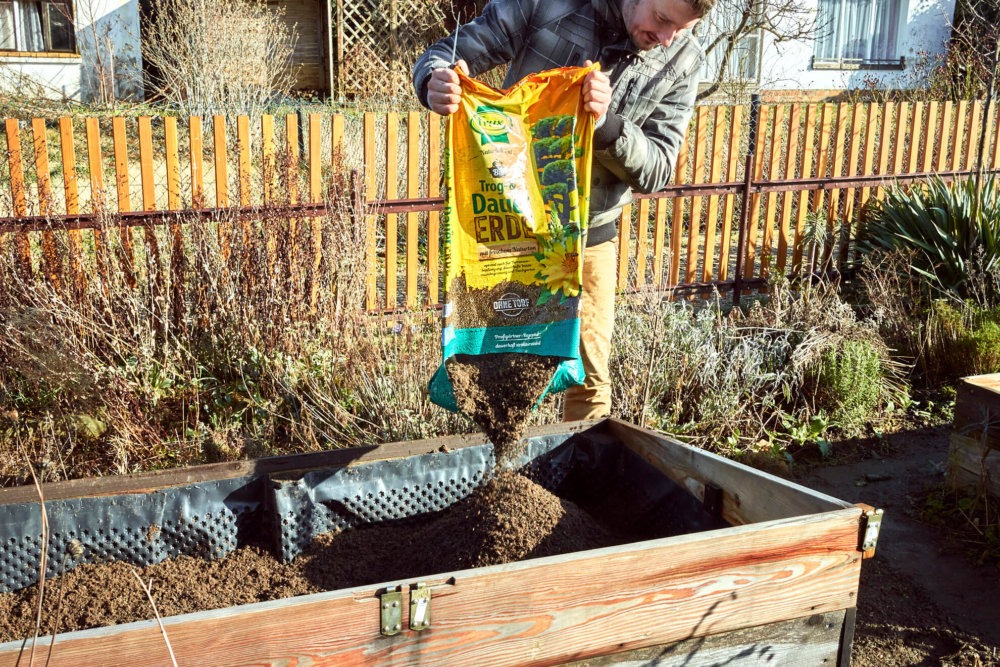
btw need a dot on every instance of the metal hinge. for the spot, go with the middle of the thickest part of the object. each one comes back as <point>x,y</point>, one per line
<point>391,611</point>
<point>871,524</point>
<point>420,607</point>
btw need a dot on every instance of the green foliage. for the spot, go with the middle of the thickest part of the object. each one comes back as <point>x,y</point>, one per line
<point>952,227</point>
<point>849,382</point>
<point>963,339</point>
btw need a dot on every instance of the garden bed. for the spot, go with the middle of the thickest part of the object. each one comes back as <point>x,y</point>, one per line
<point>715,551</point>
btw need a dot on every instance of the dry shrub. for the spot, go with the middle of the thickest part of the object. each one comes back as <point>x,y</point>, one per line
<point>219,56</point>
<point>217,339</point>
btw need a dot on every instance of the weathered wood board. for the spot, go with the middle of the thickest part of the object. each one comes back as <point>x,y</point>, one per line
<point>793,554</point>
<point>974,452</point>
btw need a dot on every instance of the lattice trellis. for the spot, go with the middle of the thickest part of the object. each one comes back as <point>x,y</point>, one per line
<point>378,42</point>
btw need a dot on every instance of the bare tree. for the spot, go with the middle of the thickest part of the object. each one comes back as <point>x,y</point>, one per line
<point>731,22</point>
<point>220,56</point>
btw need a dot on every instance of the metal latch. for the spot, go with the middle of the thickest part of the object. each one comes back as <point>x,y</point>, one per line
<point>420,607</point>
<point>391,611</point>
<point>871,524</point>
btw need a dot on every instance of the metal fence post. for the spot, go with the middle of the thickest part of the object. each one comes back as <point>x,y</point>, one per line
<point>748,168</point>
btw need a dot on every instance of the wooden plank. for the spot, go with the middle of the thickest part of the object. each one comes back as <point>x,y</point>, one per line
<point>70,187</point>
<point>811,640</point>
<point>243,168</point>
<point>148,194</point>
<point>749,495</point>
<point>197,157</point>
<point>268,167</point>
<point>315,196</point>
<point>958,135</point>
<point>391,219</point>
<point>51,260</point>
<point>337,141</point>
<point>221,168</point>
<point>412,218</point>
<point>770,205</point>
<point>836,170</point>
<point>806,172</point>
<point>883,145</point>
<point>536,612</point>
<point>292,195</point>
<point>659,238</point>
<point>694,217</point>
<point>942,161</point>
<point>714,175</point>
<point>641,243</point>
<point>433,217</point>
<point>97,196</point>
<point>677,219</point>
<point>977,408</point>
<point>902,116</point>
<point>973,465</point>
<point>791,156</point>
<point>371,250</point>
<point>315,158</point>
<point>915,138</point>
<point>122,188</point>
<point>172,158</point>
<point>972,137</point>
<point>624,233</point>
<point>860,134</point>
<point>15,163</point>
<point>725,238</point>
<point>930,132</point>
<point>753,230</point>
<point>146,163</point>
<point>996,140</point>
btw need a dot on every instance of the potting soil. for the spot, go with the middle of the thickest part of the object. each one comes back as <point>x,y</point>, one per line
<point>508,519</point>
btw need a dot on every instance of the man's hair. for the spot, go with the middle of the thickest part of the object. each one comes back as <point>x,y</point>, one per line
<point>703,7</point>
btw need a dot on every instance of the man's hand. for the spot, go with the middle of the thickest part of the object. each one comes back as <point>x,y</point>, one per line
<point>444,91</point>
<point>596,92</point>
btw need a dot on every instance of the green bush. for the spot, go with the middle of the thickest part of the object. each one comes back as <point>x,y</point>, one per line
<point>849,380</point>
<point>954,229</point>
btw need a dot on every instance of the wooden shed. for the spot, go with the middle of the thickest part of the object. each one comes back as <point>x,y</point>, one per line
<point>775,583</point>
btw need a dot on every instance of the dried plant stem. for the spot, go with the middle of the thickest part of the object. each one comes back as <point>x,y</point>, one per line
<point>43,563</point>
<point>146,588</point>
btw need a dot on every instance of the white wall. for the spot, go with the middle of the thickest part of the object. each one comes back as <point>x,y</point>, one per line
<point>925,28</point>
<point>115,61</point>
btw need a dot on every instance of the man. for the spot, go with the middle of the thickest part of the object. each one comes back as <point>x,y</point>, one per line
<point>642,99</point>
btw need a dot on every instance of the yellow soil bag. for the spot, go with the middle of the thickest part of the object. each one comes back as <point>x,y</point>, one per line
<point>518,168</point>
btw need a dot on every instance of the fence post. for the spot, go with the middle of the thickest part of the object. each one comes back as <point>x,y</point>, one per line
<point>748,168</point>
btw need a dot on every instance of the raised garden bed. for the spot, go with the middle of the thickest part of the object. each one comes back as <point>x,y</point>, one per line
<point>740,565</point>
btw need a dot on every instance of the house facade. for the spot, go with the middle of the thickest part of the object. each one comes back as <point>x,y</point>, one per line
<point>81,49</point>
<point>89,50</point>
<point>850,44</point>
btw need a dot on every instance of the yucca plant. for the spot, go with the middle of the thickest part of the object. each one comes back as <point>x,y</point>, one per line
<point>950,226</point>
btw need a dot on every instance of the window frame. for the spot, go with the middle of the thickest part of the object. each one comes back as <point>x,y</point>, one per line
<point>48,6</point>
<point>840,62</point>
<point>731,75</point>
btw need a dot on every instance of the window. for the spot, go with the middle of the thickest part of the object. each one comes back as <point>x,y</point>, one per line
<point>744,61</point>
<point>36,26</point>
<point>857,34</point>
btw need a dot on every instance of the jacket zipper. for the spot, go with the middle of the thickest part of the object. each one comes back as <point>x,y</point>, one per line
<point>624,98</point>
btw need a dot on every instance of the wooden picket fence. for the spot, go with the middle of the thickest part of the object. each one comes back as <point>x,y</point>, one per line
<point>749,183</point>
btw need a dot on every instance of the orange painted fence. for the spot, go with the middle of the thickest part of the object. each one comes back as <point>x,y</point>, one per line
<point>67,184</point>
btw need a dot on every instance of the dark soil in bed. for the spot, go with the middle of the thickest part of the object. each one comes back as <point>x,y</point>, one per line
<point>508,519</point>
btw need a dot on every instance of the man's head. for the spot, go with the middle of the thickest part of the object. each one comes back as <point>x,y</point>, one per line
<point>655,22</point>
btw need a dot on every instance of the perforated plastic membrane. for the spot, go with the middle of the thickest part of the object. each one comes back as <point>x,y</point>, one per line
<point>212,519</point>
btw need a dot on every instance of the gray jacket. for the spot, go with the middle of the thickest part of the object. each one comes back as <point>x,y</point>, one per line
<point>653,91</point>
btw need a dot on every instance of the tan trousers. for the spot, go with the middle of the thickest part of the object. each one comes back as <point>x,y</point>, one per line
<point>592,400</point>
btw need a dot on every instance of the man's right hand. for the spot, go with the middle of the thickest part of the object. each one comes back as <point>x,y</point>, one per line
<point>444,92</point>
